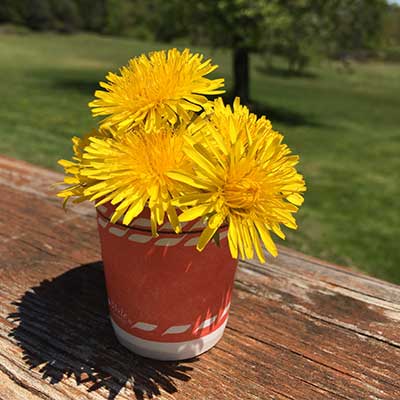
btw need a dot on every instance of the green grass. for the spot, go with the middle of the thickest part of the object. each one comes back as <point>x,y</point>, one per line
<point>346,127</point>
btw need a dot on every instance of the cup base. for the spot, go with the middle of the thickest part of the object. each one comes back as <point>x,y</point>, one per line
<point>168,351</point>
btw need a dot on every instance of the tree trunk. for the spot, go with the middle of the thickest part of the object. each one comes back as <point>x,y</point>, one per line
<point>241,74</point>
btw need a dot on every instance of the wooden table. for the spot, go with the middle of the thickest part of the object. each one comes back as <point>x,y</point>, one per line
<point>300,328</point>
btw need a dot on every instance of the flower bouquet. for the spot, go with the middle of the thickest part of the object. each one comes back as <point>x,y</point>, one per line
<point>183,186</point>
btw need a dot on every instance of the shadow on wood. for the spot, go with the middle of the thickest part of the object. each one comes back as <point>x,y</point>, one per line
<point>64,331</point>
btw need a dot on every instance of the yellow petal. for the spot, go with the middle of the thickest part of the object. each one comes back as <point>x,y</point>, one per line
<point>134,210</point>
<point>173,219</point>
<point>205,237</point>
<point>189,180</point>
<point>232,239</point>
<point>195,212</point>
<point>296,199</point>
<point>256,242</point>
<point>266,238</point>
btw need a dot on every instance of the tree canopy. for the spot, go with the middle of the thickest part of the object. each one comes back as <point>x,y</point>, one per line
<point>291,29</point>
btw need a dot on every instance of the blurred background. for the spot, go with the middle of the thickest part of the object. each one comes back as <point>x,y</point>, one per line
<point>325,72</point>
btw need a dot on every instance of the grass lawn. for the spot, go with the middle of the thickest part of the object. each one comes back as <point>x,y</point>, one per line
<point>345,126</point>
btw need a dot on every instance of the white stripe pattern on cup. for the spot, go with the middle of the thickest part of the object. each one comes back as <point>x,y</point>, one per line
<point>169,241</point>
<point>102,209</point>
<point>206,323</point>
<point>177,329</point>
<point>118,231</point>
<point>144,326</point>
<point>102,222</point>
<point>139,238</point>
<point>167,227</point>
<point>192,242</point>
<point>142,222</point>
<point>198,225</point>
<point>226,309</point>
<point>223,235</point>
<point>186,240</point>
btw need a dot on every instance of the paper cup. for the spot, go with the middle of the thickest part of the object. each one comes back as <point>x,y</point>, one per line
<point>167,301</point>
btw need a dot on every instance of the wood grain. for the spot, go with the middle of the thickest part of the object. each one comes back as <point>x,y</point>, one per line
<point>300,328</point>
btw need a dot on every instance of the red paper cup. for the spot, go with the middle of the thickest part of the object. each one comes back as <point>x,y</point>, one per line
<point>167,301</point>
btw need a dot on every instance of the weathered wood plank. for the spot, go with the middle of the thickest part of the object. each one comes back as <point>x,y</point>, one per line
<point>14,390</point>
<point>300,328</point>
<point>322,271</point>
<point>345,308</point>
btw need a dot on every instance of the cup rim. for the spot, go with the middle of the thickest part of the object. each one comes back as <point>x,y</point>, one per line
<point>168,232</point>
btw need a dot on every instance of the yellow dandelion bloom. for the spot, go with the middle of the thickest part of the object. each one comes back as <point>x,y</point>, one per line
<point>74,181</point>
<point>163,85</point>
<point>227,124</point>
<point>248,181</point>
<point>131,172</point>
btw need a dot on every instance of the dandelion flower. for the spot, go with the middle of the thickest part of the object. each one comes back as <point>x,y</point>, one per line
<point>75,181</point>
<point>163,85</point>
<point>131,172</point>
<point>247,179</point>
<point>227,123</point>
